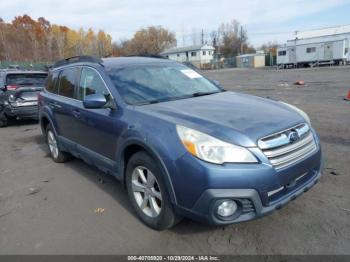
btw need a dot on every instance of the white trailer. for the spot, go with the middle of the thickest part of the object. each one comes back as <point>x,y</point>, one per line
<point>324,46</point>
<point>286,56</point>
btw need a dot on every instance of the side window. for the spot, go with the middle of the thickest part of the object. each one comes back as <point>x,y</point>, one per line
<point>67,80</point>
<point>51,83</point>
<point>91,83</point>
<point>310,49</point>
<point>282,53</point>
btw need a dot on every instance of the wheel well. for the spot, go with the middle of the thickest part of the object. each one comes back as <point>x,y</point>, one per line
<point>44,123</point>
<point>129,151</point>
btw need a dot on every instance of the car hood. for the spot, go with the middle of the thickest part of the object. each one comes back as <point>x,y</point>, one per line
<point>233,117</point>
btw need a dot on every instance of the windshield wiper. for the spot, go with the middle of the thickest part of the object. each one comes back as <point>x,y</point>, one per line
<point>205,93</point>
<point>148,102</point>
<point>155,101</point>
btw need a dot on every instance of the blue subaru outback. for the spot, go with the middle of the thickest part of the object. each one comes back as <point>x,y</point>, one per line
<point>180,144</point>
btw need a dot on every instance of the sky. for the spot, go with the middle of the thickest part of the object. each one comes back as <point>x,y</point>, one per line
<point>264,20</point>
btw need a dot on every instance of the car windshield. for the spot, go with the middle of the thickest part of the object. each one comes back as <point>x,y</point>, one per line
<point>158,83</point>
<point>26,79</point>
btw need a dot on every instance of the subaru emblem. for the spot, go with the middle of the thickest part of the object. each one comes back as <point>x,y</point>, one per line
<point>293,136</point>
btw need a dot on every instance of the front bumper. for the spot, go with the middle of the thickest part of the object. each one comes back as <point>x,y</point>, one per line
<point>22,112</point>
<point>258,189</point>
<point>249,203</point>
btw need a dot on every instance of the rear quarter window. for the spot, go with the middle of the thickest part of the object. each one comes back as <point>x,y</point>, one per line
<point>51,83</point>
<point>67,82</point>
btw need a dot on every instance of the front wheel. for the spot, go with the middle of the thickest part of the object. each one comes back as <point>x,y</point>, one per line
<point>147,192</point>
<point>56,154</point>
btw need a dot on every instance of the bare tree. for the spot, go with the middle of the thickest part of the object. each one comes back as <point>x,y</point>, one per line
<point>195,37</point>
<point>231,39</point>
<point>270,47</point>
<point>151,40</point>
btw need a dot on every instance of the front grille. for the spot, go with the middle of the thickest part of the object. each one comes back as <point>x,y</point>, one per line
<point>288,146</point>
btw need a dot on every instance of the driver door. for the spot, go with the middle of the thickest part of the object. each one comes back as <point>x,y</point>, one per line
<point>98,128</point>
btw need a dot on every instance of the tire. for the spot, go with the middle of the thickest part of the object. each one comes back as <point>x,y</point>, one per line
<point>56,154</point>
<point>3,118</point>
<point>156,211</point>
<point>3,121</point>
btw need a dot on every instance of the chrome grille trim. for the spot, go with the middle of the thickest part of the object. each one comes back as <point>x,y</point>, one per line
<point>270,193</point>
<point>277,141</point>
<point>275,191</point>
<point>281,152</point>
<point>284,150</point>
<point>281,138</point>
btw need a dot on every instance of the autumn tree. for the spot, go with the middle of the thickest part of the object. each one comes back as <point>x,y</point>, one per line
<point>120,48</point>
<point>270,47</point>
<point>27,39</point>
<point>151,40</point>
<point>104,44</point>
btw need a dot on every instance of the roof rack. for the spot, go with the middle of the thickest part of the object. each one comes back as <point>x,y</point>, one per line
<point>150,55</point>
<point>77,59</point>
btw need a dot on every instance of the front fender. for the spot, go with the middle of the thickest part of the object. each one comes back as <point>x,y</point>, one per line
<point>143,142</point>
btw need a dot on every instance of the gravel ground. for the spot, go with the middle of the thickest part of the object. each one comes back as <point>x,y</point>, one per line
<point>49,208</point>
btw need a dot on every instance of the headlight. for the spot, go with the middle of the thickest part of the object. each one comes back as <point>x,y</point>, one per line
<point>12,99</point>
<point>211,149</point>
<point>298,110</point>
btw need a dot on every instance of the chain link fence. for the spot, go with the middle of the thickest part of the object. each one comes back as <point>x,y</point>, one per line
<point>25,65</point>
<point>220,63</point>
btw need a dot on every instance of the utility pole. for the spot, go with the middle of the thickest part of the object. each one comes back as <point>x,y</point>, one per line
<point>241,42</point>
<point>202,36</point>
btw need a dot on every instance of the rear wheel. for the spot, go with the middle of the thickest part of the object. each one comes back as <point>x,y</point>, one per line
<point>3,118</point>
<point>148,194</point>
<point>56,154</point>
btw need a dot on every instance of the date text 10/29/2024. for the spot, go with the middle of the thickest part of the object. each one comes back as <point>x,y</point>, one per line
<point>173,258</point>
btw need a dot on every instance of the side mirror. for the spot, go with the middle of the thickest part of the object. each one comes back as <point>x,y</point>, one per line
<point>95,101</point>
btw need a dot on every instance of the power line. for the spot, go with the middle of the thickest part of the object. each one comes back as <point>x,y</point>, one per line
<point>270,33</point>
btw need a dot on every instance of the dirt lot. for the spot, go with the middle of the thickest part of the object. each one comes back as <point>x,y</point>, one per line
<point>48,208</point>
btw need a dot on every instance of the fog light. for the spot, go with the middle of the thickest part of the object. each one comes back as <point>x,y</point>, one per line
<point>227,208</point>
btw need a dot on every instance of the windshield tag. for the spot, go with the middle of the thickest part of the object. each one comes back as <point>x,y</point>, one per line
<point>191,73</point>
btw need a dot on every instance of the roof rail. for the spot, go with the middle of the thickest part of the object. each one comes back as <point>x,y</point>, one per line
<point>77,59</point>
<point>150,55</point>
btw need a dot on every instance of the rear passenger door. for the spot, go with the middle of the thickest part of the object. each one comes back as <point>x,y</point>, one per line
<point>64,106</point>
<point>98,127</point>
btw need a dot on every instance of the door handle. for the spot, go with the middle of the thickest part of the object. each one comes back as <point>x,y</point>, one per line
<point>76,113</point>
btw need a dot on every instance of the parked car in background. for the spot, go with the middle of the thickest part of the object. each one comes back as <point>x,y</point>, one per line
<point>14,67</point>
<point>18,94</point>
<point>181,145</point>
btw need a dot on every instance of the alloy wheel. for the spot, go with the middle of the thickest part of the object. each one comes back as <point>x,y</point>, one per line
<point>146,191</point>
<point>51,140</point>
